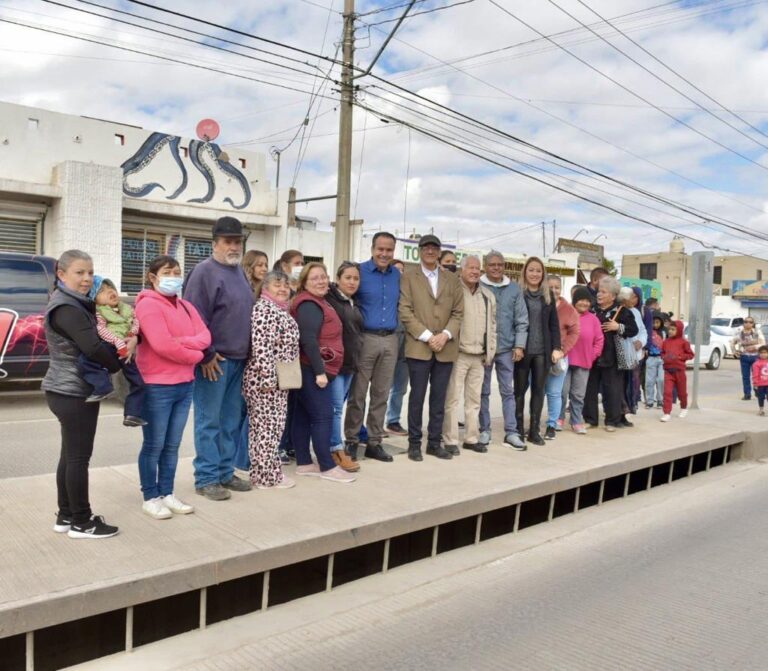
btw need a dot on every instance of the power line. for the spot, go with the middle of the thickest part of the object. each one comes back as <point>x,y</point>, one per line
<point>146,53</point>
<point>585,172</point>
<point>661,79</point>
<point>627,89</point>
<point>674,72</point>
<point>555,186</point>
<point>426,11</point>
<point>387,9</point>
<point>179,37</point>
<point>557,118</point>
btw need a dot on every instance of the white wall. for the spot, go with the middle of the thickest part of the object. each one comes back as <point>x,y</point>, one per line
<point>727,306</point>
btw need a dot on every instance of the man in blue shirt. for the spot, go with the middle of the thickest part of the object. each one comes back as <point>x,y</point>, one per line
<point>377,298</point>
<point>219,290</point>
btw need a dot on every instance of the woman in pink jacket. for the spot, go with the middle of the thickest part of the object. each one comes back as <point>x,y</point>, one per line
<point>173,340</point>
<point>581,357</point>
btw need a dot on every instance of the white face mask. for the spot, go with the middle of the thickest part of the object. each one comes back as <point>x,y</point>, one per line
<point>170,286</point>
<point>296,271</point>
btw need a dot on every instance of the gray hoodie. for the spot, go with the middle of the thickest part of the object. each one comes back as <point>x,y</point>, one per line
<point>511,314</point>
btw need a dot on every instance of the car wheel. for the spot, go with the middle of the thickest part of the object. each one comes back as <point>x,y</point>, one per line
<point>714,360</point>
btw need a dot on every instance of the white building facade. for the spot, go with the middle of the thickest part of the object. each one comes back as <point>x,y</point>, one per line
<point>124,194</point>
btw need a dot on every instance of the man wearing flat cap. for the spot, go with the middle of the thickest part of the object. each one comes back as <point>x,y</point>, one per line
<point>220,291</point>
<point>431,310</point>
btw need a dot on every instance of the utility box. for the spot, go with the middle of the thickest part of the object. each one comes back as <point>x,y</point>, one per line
<point>700,303</point>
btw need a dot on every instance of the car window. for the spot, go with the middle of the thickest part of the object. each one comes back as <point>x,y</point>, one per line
<point>738,321</point>
<point>720,321</point>
<point>23,286</point>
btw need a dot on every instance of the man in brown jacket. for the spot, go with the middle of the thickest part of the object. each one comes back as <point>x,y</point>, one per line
<point>431,310</point>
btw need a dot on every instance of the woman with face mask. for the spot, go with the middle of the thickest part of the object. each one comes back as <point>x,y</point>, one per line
<point>448,260</point>
<point>291,262</point>
<point>174,338</point>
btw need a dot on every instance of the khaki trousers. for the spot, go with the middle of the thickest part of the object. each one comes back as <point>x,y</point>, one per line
<point>467,376</point>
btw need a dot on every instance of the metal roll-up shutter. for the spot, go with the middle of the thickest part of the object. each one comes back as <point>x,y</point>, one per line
<point>20,226</point>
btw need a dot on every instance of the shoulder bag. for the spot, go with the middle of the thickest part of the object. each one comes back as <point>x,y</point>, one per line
<point>288,374</point>
<point>626,359</point>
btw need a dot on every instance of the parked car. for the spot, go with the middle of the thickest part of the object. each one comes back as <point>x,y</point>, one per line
<point>726,325</point>
<point>710,355</point>
<point>722,336</point>
<point>26,283</point>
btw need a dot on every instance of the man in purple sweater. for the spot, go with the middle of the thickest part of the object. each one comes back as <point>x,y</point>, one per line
<point>219,290</point>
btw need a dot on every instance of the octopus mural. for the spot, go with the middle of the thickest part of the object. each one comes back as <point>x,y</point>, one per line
<point>205,156</point>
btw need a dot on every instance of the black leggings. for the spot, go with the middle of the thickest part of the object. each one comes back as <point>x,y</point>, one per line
<point>78,429</point>
<point>533,366</point>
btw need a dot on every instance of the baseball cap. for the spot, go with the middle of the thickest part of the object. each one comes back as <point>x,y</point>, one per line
<point>429,240</point>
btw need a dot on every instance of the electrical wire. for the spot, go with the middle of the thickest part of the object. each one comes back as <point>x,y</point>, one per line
<point>661,79</point>
<point>426,11</point>
<point>387,9</point>
<point>629,90</point>
<point>360,167</point>
<point>153,55</point>
<point>544,182</point>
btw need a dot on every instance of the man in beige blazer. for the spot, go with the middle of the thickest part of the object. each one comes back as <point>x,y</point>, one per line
<point>431,310</point>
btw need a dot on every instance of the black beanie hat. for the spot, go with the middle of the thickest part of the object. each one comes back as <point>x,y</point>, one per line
<point>581,293</point>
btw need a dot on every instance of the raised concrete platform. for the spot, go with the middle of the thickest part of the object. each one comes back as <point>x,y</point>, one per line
<point>266,547</point>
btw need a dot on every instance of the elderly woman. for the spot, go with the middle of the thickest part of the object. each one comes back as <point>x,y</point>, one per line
<point>70,330</point>
<point>322,355</point>
<point>606,376</point>
<point>745,344</point>
<point>632,299</point>
<point>274,337</point>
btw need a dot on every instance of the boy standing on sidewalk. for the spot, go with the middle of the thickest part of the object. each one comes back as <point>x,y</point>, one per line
<point>675,351</point>
<point>760,377</point>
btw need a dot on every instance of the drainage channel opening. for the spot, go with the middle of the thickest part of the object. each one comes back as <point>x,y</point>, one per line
<point>534,511</point>
<point>498,522</point>
<point>680,468</point>
<point>294,581</point>
<point>638,481</point>
<point>162,618</point>
<point>456,534</point>
<point>565,503</point>
<point>699,462</point>
<point>410,547</point>
<point>589,495</point>
<point>660,474</point>
<point>358,562</point>
<point>614,487</point>
<point>70,643</point>
<point>718,457</point>
<point>234,597</point>
<point>13,652</point>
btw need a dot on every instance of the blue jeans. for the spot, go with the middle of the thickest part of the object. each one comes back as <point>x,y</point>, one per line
<point>505,369</point>
<point>242,459</point>
<point>219,415</point>
<point>339,392</point>
<point>746,361</point>
<point>312,418</point>
<point>397,393</point>
<point>554,391</point>
<point>654,380</point>
<point>101,381</point>
<point>166,409</point>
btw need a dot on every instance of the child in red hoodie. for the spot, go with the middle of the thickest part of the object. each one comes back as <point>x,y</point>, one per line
<point>760,377</point>
<point>675,351</point>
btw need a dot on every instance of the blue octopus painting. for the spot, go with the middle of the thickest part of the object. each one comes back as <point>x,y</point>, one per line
<point>203,156</point>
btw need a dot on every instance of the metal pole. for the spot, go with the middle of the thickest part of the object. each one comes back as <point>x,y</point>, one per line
<point>543,238</point>
<point>341,248</point>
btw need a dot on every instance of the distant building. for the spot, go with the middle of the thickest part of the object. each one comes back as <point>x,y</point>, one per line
<point>672,269</point>
<point>125,194</point>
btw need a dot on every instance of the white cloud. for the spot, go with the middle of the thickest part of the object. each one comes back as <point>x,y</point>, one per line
<point>457,194</point>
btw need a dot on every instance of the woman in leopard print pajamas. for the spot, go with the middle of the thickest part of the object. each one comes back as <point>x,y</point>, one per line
<point>274,337</point>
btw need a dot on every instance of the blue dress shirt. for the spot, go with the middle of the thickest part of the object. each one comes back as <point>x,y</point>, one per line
<point>378,296</point>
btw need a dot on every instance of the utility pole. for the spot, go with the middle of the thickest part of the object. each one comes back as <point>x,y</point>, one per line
<point>342,236</point>
<point>543,238</point>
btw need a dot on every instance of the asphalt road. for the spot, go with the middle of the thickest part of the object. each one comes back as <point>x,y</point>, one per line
<point>29,438</point>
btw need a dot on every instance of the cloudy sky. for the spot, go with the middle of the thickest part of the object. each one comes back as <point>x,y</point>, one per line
<point>483,58</point>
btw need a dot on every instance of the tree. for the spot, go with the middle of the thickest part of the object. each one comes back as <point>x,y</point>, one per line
<point>610,266</point>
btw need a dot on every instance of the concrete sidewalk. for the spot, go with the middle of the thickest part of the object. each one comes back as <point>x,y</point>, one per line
<point>46,578</point>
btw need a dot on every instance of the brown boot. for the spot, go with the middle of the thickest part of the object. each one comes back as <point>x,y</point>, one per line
<point>343,461</point>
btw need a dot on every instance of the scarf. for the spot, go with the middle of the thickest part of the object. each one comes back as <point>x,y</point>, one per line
<point>283,305</point>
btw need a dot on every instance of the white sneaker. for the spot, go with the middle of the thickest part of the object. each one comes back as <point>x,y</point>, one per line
<point>156,509</point>
<point>683,412</point>
<point>337,475</point>
<point>665,418</point>
<point>177,506</point>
